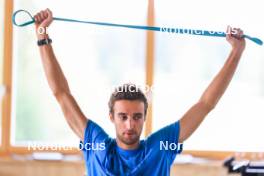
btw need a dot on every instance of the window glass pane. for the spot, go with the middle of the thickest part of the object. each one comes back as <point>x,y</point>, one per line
<point>93,58</point>
<point>1,61</point>
<point>185,65</point>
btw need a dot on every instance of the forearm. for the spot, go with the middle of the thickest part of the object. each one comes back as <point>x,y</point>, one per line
<point>56,79</point>
<point>219,84</point>
<point>196,114</point>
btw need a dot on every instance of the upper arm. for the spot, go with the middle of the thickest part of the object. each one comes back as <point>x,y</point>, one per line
<point>73,114</point>
<point>164,140</point>
<point>192,119</point>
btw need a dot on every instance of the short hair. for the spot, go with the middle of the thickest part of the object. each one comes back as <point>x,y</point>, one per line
<point>127,92</point>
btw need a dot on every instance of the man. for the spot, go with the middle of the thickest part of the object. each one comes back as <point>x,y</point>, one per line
<point>127,154</point>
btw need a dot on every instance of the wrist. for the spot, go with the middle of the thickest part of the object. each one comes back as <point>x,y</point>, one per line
<point>237,50</point>
<point>42,36</point>
<point>239,47</point>
<point>44,41</point>
<point>41,32</point>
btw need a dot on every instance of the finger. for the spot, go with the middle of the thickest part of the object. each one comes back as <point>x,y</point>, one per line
<point>228,29</point>
<point>35,18</point>
<point>42,15</point>
<point>240,33</point>
<point>228,32</point>
<point>38,18</point>
<point>46,14</point>
<point>49,13</point>
<point>234,32</point>
<point>48,10</point>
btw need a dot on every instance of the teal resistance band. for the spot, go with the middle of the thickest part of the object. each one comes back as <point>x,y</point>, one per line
<point>152,28</point>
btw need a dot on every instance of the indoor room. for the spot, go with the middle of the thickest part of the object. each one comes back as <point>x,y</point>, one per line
<point>131,88</point>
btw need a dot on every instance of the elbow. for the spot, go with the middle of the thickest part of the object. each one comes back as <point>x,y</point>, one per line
<point>57,94</point>
<point>60,89</point>
<point>209,105</point>
<point>60,94</point>
<point>208,102</point>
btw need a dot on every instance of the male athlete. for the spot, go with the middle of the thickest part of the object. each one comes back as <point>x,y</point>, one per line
<point>127,154</point>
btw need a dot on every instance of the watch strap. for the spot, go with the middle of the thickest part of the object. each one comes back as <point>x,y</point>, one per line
<point>44,41</point>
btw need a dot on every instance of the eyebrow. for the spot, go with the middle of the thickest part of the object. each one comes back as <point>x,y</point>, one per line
<point>138,113</point>
<point>122,113</point>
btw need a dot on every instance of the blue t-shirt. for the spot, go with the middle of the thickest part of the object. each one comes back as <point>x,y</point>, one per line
<point>153,157</point>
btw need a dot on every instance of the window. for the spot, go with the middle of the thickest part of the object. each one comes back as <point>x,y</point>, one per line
<point>1,61</point>
<point>97,58</point>
<point>93,58</point>
<point>186,64</point>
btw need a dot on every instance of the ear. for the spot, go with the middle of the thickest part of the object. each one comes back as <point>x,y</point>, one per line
<point>145,117</point>
<point>111,117</point>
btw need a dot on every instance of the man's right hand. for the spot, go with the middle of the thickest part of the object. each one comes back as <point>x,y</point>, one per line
<point>43,19</point>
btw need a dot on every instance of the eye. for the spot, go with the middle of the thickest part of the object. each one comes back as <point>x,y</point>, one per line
<point>123,117</point>
<point>137,116</point>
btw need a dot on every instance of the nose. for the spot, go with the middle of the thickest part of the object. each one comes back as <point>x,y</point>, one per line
<point>129,123</point>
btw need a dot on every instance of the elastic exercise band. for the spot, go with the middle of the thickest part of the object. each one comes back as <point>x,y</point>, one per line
<point>152,28</point>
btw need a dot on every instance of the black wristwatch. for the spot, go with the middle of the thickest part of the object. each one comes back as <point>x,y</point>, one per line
<point>44,41</point>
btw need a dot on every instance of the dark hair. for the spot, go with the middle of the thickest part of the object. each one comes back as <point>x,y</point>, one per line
<point>127,92</point>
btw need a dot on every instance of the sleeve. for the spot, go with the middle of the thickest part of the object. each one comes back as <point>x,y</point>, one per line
<point>166,140</point>
<point>93,135</point>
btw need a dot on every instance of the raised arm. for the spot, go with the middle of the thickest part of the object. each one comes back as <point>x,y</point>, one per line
<point>196,114</point>
<point>56,79</point>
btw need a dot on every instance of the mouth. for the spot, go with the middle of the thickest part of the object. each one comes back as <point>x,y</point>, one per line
<point>129,133</point>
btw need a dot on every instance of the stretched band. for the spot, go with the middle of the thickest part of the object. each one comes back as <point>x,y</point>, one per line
<point>152,28</point>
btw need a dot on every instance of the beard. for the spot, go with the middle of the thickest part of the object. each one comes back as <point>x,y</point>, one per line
<point>130,140</point>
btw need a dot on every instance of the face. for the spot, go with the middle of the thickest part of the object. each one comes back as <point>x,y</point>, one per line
<point>128,120</point>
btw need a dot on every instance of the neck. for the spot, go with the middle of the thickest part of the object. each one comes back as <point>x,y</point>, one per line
<point>126,146</point>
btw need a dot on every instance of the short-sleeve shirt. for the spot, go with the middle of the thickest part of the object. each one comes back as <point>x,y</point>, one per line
<point>153,157</point>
